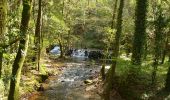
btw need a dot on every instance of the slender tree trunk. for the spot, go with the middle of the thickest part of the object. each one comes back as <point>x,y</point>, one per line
<point>158,41</point>
<point>61,49</point>
<point>158,36</point>
<point>60,41</point>
<point>113,22</point>
<point>140,30</point>
<point>167,84</point>
<point>114,14</point>
<point>41,32</point>
<point>104,64</point>
<point>164,51</point>
<point>1,59</point>
<point>22,51</point>
<point>63,7</point>
<point>33,10</point>
<point>38,37</point>
<point>67,20</point>
<point>111,74</point>
<point>103,71</point>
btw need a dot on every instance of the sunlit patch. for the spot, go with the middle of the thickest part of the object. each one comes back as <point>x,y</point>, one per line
<point>168,97</point>
<point>124,57</point>
<point>106,67</point>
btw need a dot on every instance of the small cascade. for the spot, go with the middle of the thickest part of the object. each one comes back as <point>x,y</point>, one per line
<point>80,53</point>
<point>55,50</point>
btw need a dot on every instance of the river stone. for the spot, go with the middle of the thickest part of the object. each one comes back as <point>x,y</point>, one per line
<point>92,87</point>
<point>62,81</point>
<point>88,81</point>
<point>76,78</point>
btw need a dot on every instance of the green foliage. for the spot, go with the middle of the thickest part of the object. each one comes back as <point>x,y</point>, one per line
<point>134,82</point>
<point>2,89</point>
<point>86,23</point>
<point>7,68</point>
<point>108,36</point>
<point>43,70</point>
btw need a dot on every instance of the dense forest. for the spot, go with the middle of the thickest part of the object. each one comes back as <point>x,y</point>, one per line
<point>84,50</point>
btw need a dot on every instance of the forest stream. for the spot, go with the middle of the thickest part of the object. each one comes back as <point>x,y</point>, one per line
<point>72,83</point>
<point>84,49</point>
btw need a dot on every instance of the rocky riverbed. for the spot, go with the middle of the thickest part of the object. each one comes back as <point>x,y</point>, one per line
<point>77,81</point>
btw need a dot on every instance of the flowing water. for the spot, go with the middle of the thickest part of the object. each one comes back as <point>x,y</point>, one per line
<point>69,85</point>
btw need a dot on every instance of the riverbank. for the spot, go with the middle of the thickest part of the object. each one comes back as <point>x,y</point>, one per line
<point>33,79</point>
<point>68,74</point>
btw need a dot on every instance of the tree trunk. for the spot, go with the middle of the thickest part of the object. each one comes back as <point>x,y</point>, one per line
<point>103,71</point>
<point>3,13</point>
<point>63,7</point>
<point>140,30</point>
<point>167,84</point>
<point>41,32</point>
<point>33,10</point>
<point>111,73</point>
<point>164,51</point>
<point>1,58</point>
<point>22,51</point>
<point>103,65</point>
<point>61,49</point>
<point>158,36</point>
<point>114,14</point>
<point>113,23</point>
<point>37,39</point>
<point>158,41</point>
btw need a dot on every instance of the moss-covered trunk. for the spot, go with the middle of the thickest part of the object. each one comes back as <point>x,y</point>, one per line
<point>140,30</point>
<point>3,17</point>
<point>38,37</point>
<point>114,15</point>
<point>111,74</point>
<point>22,51</point>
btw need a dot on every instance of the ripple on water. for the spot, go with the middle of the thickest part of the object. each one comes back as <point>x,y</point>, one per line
<point>69,85</point>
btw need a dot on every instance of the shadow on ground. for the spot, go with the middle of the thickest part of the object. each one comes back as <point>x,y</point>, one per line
<point>161,95</point>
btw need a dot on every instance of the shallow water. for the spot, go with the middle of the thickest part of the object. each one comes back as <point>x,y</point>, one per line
<point>69,85</point>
